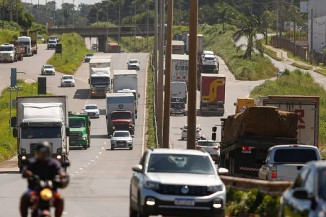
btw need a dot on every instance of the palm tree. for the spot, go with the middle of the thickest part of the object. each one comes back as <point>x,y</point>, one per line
<point>249,29</point>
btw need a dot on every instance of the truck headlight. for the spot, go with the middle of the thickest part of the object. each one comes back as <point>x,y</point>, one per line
<point>85,138</point>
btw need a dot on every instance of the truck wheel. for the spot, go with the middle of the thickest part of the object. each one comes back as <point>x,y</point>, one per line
<point>112,148</point>
<point>85,147</point>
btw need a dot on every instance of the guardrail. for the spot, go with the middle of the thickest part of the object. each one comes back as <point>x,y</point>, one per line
<point>267,187</point>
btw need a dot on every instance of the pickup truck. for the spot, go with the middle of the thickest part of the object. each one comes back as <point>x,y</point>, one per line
<point>283,162</point>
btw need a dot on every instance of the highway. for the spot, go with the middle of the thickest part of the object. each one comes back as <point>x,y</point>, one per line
<point>100,177</point>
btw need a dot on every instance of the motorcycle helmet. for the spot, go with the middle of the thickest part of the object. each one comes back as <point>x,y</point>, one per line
<point>43,150</point>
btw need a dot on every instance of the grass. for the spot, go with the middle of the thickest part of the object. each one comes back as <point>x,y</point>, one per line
<point>151,141</point>
<point>297,83</point>
<point>7,35</point>
<point>8,144</point>
<point>243,69</point>
<point>321,71</point>
<point>302,66</point>
<point>272,54</point>
<point>73,52</point>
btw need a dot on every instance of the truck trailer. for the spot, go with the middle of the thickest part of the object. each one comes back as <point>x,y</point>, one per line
<point>41,118</point>
<point>212,94</point>
<point>179,67</point>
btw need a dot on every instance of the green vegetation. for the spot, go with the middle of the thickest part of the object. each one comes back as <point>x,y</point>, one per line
<point>272,54</point>
<point>297,83</point>
<point>8,144</point>
<point>7,35</point>
<point>222,44</point>
<point>302,66</point>
<point>244,203</point>
<point>73,52</point>
<point>321,71</point>
<point>151,139</point>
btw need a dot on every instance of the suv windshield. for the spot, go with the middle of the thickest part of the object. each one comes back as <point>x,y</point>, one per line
<point>177,163</point>
<point>297,155</point>
<point>91,107</point>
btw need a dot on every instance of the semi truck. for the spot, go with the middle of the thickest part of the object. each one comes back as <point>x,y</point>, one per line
<point>126,81</point>
<point>120,112</point>
<point>41,118</point>
<point>99,76</point>
<point>200,43</point>
<point>307,109</point>
<point>79,126</point>
<point>27,42</point>
<point>179,90</point>
<point>178,47</point>
<point>32,34</point>
<point>10,52</point>
<point>246,137</point>
<point>212,94</point>
<point>179,67</point>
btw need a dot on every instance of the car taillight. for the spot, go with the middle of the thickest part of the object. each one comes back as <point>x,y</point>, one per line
<point>246,148</point>
<point>216,148</point>
<point>274,172</point>
<point>197,147</point>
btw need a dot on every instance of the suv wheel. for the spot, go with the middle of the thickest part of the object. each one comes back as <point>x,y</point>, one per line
<point>140,209</point>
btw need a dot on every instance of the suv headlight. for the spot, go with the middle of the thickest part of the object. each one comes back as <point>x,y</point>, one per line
<point>152,185</point>
<point>215,188</point>
<point>113,141</point>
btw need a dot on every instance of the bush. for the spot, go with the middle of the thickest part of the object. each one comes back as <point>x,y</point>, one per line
<point>269,207</point>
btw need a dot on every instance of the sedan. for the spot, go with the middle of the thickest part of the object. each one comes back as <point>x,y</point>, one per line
<point>210,146</point>
<point>92,110</point>
<point>48,70</point>
<point>133,64</point>
<point>121,139</point>
<point>172,182</point>
<point>88,57</point>
<point>307,195</point>
<point>184,131</point>
<point>67,80</point>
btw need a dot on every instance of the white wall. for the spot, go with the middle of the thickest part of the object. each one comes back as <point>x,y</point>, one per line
<point>318,7</point>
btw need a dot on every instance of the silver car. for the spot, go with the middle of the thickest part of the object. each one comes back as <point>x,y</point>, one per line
<point>173,182</point>
<point>210,146</point>
<point>48,70</point>
<point>307,195</point>
<point>121,139</point>
<point>92,110</point>
<point>67,81</point>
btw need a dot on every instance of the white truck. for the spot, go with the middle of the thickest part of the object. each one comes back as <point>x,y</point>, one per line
<point>307,109</point>
<point>179,90</point>
<point>120,112</point>
<point>41,118</point>
<point>27,42</point>
<point>179,67</point>
<point>8,53</point>
<point>126,81</point>
<point>284,162</point>
<point>99,76</point>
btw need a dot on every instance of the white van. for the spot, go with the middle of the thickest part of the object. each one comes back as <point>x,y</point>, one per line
<point>179,90</point>
<point>27,42</point>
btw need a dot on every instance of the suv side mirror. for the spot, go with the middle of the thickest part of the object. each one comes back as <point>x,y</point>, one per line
<point>15,132</point>
<point>13,121</point>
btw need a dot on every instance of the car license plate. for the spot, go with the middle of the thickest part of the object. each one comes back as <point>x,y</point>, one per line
<point>184,202</point>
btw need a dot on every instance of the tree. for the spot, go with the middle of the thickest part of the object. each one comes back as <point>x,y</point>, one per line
<point>249,29</point>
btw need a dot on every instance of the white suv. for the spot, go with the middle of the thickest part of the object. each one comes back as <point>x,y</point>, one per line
<point>173,182</point>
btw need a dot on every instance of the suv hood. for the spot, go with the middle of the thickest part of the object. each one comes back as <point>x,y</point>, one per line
<point>184,178</point>
<point>121,138</point>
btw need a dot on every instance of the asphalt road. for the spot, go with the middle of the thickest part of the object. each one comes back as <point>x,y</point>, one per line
<point>99,177</point>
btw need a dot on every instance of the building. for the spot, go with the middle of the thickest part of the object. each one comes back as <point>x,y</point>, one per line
<point>316,25</point>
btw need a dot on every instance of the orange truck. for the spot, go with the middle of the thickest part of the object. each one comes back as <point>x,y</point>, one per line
<point>212,94</point>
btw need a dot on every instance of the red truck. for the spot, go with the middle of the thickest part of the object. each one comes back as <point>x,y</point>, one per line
<point>113,47</point>
<point>212,94</point>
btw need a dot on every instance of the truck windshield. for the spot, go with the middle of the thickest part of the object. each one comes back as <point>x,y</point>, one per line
<point>76,123</point>
<point>40,132</point>
<point>121,115</point>
<point>6,48</point>
<point>27,43</point>
<point>100,80</point>
<point>297,156</point>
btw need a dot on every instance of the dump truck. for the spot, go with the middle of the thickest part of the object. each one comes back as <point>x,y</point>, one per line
<point>212,94</point>
<point>247,136</point>
<point>41,118</point>
<point>307,109</point>
<point>80,126</point>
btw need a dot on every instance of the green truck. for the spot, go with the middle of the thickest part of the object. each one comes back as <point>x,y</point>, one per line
<point>80,127</point>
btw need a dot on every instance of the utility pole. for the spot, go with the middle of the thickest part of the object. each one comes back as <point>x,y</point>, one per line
<point>135,28</point>
<point>119,23</point>
<point>160,78</point>
<point>167,86</point>
<point>311,33</point>
<point>277,23</point>
<point>155,52</point>
<point>147,23</point>
<point>73,13</point>
<point>192,75</point>
<point>17,11</point>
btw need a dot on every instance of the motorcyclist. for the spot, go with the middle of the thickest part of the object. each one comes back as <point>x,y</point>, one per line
<point>47,168</point>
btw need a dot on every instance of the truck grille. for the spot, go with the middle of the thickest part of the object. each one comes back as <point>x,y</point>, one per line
<point>100,89</point>
<point>33,146</point>
<point>75,135</point>
<point>176,190</point>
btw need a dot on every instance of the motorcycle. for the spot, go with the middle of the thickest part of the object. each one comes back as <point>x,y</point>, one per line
<point>43,196</point>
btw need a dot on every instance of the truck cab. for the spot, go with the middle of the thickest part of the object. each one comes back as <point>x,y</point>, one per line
<point>79,126</point>
<point>27,42</point>
<point>7,53</point>
<point>121,120</point>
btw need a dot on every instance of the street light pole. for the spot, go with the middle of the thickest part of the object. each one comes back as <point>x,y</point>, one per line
<point>119,23</point>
